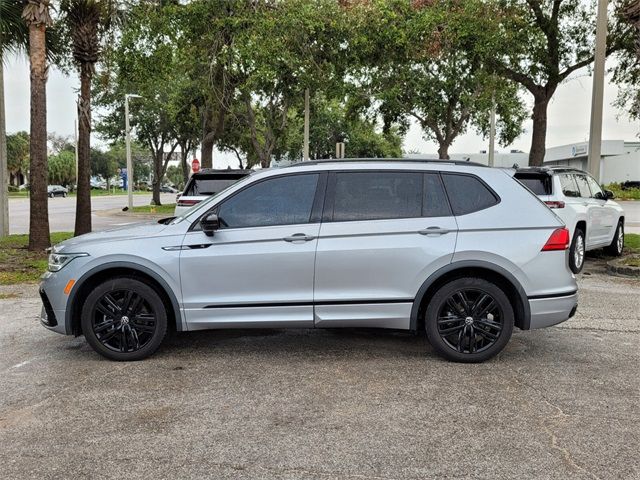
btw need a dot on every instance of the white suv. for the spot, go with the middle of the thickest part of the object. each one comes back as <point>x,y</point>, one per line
<point>592,217</point>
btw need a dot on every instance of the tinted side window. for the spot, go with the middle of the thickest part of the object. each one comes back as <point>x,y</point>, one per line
<point>435,202</point>
<point>583,186</point>
<point>467,194</point>
<point>377,195</point>
<point>568,184</point>
<point>596,191</point>
<point>277,201</point>
<point>538,184</point>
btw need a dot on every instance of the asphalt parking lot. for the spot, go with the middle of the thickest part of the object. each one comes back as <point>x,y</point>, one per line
<point>559,403</point>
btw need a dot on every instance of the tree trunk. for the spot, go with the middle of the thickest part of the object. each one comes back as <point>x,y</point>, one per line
<point>185,166</point>
<point>38,204</point>
<point>208,142</point>
<point>443,151</point>
<point>157,178</point>
<point>83,198</point>
<point>539,134</point>
<point>4,171</point>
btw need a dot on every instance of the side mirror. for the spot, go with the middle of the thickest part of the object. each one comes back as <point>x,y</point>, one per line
<point>608,194</point>
<point>210,224</point>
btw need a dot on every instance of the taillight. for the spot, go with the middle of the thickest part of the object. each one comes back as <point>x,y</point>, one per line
<point>559,240</point>
<point>187,203</point>
<point>555,204</point>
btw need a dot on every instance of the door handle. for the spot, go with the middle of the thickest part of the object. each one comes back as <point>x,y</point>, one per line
<point>298,237</point>
<point>434,231</point>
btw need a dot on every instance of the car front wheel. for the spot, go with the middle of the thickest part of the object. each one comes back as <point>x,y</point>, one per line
<point>124,319</point>
<point>469,320</point>
<point>577,251</point>
<point>617,244</point>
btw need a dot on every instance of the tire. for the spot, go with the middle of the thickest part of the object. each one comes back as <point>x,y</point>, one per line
<point>577,251</point>
<point>129,335</point>
<point>469,320</point>
<point>617,244</point>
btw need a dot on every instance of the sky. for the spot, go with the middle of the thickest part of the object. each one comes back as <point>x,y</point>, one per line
<point>568,121</point>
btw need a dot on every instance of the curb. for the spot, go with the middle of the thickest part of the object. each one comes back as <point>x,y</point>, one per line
<point>617,267</point>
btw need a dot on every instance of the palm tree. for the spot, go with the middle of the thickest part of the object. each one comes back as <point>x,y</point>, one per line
<point>86,20</point>
<point>36,16</point>
<point>14,36</point>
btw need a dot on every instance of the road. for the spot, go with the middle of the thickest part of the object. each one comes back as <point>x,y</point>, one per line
<point>559,403</point>
<point>62,212</point>
<point>632,212</point>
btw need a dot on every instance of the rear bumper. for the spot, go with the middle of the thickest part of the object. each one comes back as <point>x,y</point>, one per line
<point>547,311</point>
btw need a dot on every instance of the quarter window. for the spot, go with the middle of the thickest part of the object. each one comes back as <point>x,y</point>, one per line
<point>583,186</point>
<point>467,194</point>
<point>377,195</point>
<point>277,201</point>
<point>568,184</point>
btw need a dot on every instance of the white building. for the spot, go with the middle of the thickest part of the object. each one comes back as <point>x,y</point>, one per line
<point>620,160</point>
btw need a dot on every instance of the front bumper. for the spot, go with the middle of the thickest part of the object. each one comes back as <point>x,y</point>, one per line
<point>552,310</point>
<point>54,301</point>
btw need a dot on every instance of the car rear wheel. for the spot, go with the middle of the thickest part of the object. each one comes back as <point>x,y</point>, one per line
<point>617,244</point>
<point>469,320</point>
<point>577,251</point>
<point>124,319</point>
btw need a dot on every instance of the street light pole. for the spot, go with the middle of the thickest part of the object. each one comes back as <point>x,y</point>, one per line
<point>128,148</point>
<point>597,93</point>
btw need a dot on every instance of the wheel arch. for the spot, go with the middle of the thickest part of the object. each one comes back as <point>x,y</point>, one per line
<point>97,274</point>
<point>468,268</point>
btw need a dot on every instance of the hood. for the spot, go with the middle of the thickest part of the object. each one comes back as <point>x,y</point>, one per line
<point>127,232</point>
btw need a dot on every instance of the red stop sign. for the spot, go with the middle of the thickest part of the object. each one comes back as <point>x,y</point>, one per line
<point>195,165</point>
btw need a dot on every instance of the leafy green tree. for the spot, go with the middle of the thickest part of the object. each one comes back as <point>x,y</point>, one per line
<point>175,177</point>
<point>539,44</point>
<point>627,71</point>
<point>62,168</point>
<point>145,62</point>
<point>426,62</point>
<point>104,165</point>
<point>18,155</point>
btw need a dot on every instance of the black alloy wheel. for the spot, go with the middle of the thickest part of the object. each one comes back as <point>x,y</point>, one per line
<point>124,319</point>
<point>469,320</point>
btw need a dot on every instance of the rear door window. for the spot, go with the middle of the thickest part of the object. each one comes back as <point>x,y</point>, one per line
<point>468,194</point>
<point>377,195</point>
<point>568,185</point>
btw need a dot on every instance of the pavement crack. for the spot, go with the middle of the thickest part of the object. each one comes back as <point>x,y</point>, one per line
<point>559,418</point>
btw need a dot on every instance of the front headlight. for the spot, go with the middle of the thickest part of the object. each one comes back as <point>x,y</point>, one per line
<point>58,260</point>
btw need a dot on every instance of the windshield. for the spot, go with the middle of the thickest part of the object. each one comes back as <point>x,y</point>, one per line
<point>210,185</point>
<point>538,184</point>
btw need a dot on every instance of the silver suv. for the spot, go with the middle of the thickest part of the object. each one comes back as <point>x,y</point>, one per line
<point>459,251</point>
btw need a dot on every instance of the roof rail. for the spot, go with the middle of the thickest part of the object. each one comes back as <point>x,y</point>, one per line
<point>387,160</point>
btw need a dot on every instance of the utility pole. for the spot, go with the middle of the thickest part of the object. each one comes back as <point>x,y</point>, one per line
<point>4,172</point>
<point>597,93</point>
<point>128,147</point>
<point>305,147</point>
<point>492,132</point>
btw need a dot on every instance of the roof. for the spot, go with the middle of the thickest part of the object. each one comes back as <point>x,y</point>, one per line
<point>386,160</point>
<point>225,171</point>
<point>549,170</point>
